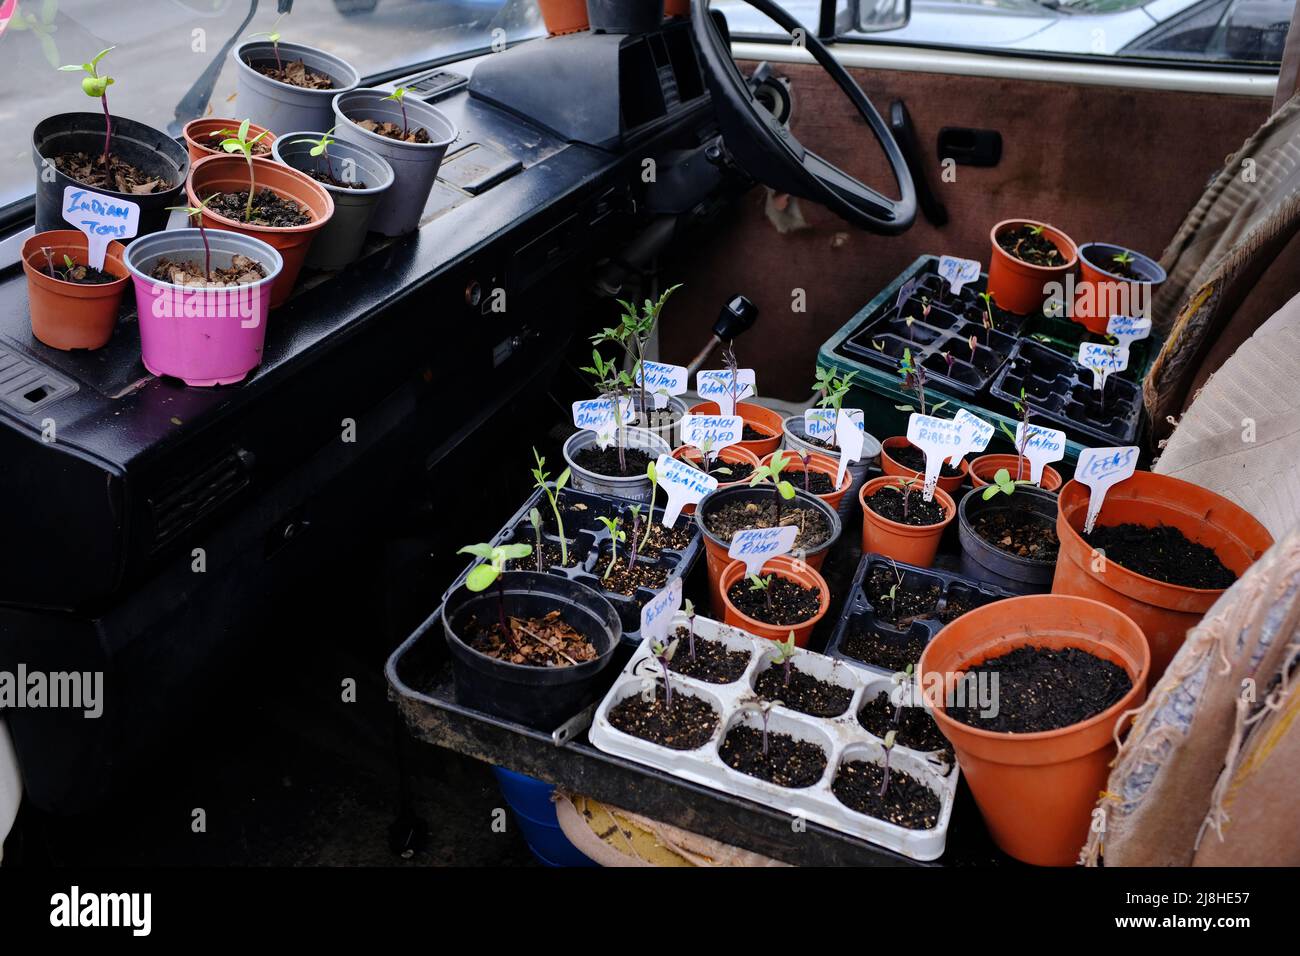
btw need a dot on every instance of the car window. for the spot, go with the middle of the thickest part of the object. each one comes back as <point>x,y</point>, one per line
<point>164,48</point>
<point>1240,31</point>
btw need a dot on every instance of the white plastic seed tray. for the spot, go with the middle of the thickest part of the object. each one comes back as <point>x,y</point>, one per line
<point>842,737</point>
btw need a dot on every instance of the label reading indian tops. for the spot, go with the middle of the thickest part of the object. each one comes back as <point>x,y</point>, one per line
<point>714,385</point>
<point>715,432</point>
<point>657,614</point>
<point>975,435</point>
<point>1099,468</point>
<point>958,272</point>
<point>937,437</point>
<point>662,380</point>
<point>102,218</point>
<point>850,436</point>
<point>684,484</point>
<point>1103,360</point>
<point>1041,446</point>
<point>598,415</point>
<point>755,546</point>
<point>820,423</point>
<point>1128,329</point>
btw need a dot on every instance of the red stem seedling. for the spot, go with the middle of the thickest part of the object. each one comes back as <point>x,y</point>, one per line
<point>765,585</point>
<point>273,35</point>
<point>195,214</point>
<point>689,607</point>
<point>783,654</point>
<point>398,96</point>
<point>483,575</point>
<point>664,656</point>
<point>553,495</point>
<point>890,737</point>
<point>96,87</point>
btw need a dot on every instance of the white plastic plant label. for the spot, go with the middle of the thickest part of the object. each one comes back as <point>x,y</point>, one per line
<point>906,291</point>
<point>975,435</point>
<point>755,546</point>
<point>102,218</point>
<point>684,484</point>
<point>820,423</point>
<point>598,415</point>
<point>1127,329</point>
<point>958,272</point>
<point>714,432</point>
<point>1103,360</point>
<point>937,437</point>
<point>715,386</point>
<point>850,432</point>
<point>1041,447</point>
<point>1099,469</point>
<point>657,614</point>
<point>662,380</point>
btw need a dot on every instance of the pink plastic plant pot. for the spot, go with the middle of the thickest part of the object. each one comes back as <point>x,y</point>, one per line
<point>202,336</point>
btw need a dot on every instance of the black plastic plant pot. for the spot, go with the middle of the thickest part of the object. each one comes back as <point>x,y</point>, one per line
<point>149,150</point>
<point>762,495</point>
<point>625,16</point>
<point>985,562</point>
<point>541,697</point>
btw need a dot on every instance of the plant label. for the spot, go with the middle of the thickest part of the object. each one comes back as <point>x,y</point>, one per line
<point>850,436</point>
<point>906,291</point>
<point>820,423</point>
<point>101,218</point>
<point>662,380</point>
<point>715,431</point>
<point>601,416</point>
<point>958,272</point>
<point>1128,329</point>
<point>1041,447</point>
<point>657,614</point>
<point>715,386</point>
<point>937,437</point>
<point>1103,360</point>
<point>684,484</point>
<point>975,435</point>
<point>1099,468</point>
<point>755,546</point>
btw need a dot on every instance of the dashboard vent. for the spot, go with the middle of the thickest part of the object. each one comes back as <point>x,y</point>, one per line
<point>27,387</point>
<point>182,504</point>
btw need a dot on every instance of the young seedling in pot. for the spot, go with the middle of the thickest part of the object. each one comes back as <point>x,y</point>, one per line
<point>902,679</point>
<point>757,583</point>
<point>398,96</point>
<point>974,346</point>
<point>1123,259</point>
<point>237,141</point>
<point>664,655</point>
<point>535,519</point>
<point>783,654</point>
<point>782,489</point>
<point>482,576</point>
<point>804,459</point>
<point>96,87</point>
<point>707,459</point>
<point>890,737</point>
<point>633,536</point>
<point>689,608</point>
<point>831,388</point>
<point>553,495</point>
<point>320,149</point>
<point>1023,410</point>
<point>905,487</point>
<point>273,35</point>
<point>613,384</point>
<point>68,264</point>
<point>913,376</point>
<point>653,475</point>
<point>765,711</point>
<point>616,534</point>
<point>949,358</point>
<point>1002,484</point>
<point>732,366</point>
<point>195,214</point>
<point>633,334</point>
<point>987,318</point>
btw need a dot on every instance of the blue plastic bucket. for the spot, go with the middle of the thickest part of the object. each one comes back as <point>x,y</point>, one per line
<point>530,801</point>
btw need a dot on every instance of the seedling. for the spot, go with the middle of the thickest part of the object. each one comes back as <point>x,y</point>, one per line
<point>650,516</point>
<point>783,654</point>
<point>616,534</point>
<point>890,737</point>
<point>949,358</point>
<point>482,576</point>
<point>905,487</point>
<point>398,96</point>
<point>195,214</point>
<point>635,511</point>
<point>689,607</point>
<point>612,383</point>
<point>733,368</point>
<point>831,389</point>
<point>898,582</point>
<point>535,519</point>
<point>902,679</point>
<point>1022,408</point>
<point>804,459</point>
<point>782,489</point>
<point>237,141</point>
<point>320,149</point>
<point>1124,258</point>
<point>1035,230</point>
<point>707,459</point>
<point>273,35</point>
<point>913,376</point>
<point>1003,485</point>
<point>96,87</point>
<point>553,495</point>
<point>974,346</point>
<point>762,584</point>
<point>664,656</point>
<point>765,710</point>
<point>987,318</point>
<point>633,334</point>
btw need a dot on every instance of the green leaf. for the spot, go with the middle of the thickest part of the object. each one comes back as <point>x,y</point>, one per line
<point>563,479</point>
<point>786,489</point>
<point>243,130</point>
<point>480,577</point>
<point>478,550</point>
<point>509,552</point>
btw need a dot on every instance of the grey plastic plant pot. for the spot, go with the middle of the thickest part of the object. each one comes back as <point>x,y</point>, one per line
<point>984,562</point>
<point>282,106</point>
<point>340,240</point>
<point>542,697</point>
<point>632,488</point>
<point>415,165</point>
<point>149,150</point>
<point>625,16</point>
<point>665,422</point>
<point>795,439</point>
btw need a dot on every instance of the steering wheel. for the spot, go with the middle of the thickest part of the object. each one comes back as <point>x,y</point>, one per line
<point>769,152</point>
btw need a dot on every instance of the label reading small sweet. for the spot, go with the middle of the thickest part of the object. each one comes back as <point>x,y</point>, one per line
<point>937,437</point>
<point>819,423</point>
<point>1103,360</point>
<point>715,432</point>
<point>598,415</point>
<point>1099,469</point>
<point>850,436</point>
<point>975,435</point>
<point>1041,446</point>
<point>1128,329</point>
<point>958,272</point>
<point>657,614</point>
<point>102,218</point>
<point>715,386</point>
<point>662,381</point>
<point>755,546</point>
<point>684,484</point>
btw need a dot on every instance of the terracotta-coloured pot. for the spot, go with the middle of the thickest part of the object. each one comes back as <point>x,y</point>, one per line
<point>200,142</point>
<point>890,466</point>
<point>824,464</point>
<point>1163,611</point>
<point>228,173</point>
<point>1101,293</point>
<point>732,454</point>
<point>1016,285</point>
<point>68,315</point>
<point>782,566</point>
<point>983,468</point>
<point>1036,791</point>
<point>911,544</point>
<point>563,16</point>
<point>677,8</point>
<point>756,417</point>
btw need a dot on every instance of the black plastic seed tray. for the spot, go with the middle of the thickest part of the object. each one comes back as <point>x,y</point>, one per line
<point>862,624</point>
<point>1060,391</point>
<point>589,548</point>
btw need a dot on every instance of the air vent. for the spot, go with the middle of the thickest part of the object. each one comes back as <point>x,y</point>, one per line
<point>186,502</point>
<point>436,83</point>
<point>27,387</point>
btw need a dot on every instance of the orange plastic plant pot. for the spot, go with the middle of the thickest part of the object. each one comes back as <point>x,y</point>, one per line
<point>823,464</point>
<point>756,417</point>
<point>1021,287</point>
<point>200,142</point>
<point>983,468</point>
<point>1036,791</point>
<point>911,544</point>
<point>1163,611</point>
<point>68,315</point>
<point>564,16</point>
<point>786,567</point>
<point>716,560</point>
<point>890,466</point>
<point>732,454</point>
